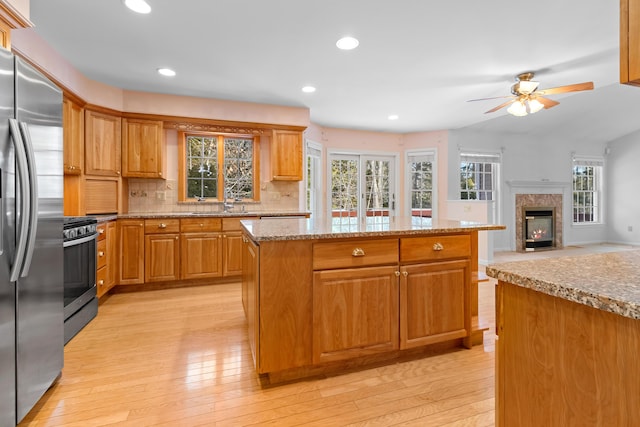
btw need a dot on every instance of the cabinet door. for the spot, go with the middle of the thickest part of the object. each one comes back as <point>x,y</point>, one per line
<point>142,148</point>
<point>630,42</point>
<point>161,257</point>
<point>355,312</point>
<point>250,296</point>
<point>232,253</point>
<point>73,128</point>
<point>434,303</point>
<point>131,254</point>
<point>102,144</point>
<point>286,155</point>
<point>201,255</point>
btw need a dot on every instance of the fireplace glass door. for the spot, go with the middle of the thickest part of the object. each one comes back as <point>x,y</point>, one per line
<point>538,229</point>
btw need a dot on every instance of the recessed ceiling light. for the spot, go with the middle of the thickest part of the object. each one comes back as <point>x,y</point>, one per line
<point>139,6</point>
<point>308,89</point>
<point>168,72</point>
<point>347,43</point>
<point>393,117</point>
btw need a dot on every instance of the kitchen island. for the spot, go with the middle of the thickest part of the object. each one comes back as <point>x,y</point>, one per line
<point>568,341</point>
<point>325,294</point>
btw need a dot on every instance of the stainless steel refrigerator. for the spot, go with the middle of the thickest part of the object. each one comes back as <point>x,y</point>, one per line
<point>31,252</point>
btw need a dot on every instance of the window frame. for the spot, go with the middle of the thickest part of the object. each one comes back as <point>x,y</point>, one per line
<point>415,156</point>
<point>182,160</point>
<point>485,157</point>
<point>597,192</point>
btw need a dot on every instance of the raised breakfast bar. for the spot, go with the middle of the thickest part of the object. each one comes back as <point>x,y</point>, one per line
<point>329,293</point>
<point>568,341</point>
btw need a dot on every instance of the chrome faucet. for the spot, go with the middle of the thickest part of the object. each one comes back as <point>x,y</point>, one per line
<point>226,206</point>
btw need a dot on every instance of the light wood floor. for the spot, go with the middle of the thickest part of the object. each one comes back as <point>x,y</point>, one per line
<point>180,357</point>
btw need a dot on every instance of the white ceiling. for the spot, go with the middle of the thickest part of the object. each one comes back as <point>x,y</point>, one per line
<point>420,59</point>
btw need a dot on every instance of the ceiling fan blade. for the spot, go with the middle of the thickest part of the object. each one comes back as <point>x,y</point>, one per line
<point>569,88</point>
<point>487,99</point>
<point>501,106</point>
<point>548,103</point>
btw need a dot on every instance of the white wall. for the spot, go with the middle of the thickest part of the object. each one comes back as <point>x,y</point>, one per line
<point>544,159</point>
<point>623,190</point>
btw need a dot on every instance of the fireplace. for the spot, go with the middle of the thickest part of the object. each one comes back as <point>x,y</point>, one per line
<point>538,202</point>
<point>538,223</point>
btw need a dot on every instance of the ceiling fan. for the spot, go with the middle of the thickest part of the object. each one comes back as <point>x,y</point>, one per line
<point>527,99</point>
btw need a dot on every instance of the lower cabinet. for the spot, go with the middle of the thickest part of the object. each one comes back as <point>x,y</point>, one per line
<point>131,253</point>
<point>106,257</point>
<point>201,255</point>
<point>355,312</point>
<point>250,297</point>
<point>433,299</point>
<point>161,257</point>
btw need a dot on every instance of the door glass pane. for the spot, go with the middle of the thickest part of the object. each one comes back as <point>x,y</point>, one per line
<point>377,196</point>
<point>344,188</point>
<point>421,189</point>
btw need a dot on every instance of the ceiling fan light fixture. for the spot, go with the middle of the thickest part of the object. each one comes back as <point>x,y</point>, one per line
<point>518,109</point>
<point>535,106</point>
<point>526,87</point>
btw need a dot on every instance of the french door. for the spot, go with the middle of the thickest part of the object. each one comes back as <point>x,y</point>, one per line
<point>362,186</point>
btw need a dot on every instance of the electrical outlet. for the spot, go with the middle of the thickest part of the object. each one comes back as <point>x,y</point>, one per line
<point>161,195</point>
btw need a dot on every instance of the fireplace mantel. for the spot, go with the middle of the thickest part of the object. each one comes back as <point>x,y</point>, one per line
<point>541,183</point>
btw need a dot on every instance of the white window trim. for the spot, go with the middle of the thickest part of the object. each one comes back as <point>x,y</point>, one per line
<point>309,144</point>
<point>590,161</point>
<point>485,154</point>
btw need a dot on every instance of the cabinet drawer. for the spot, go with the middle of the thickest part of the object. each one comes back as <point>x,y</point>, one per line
<point>233,224</point>
<point>101,255</point>
<point>196,225</point>
<point>415,249</point>
<point>101,281</point>
<point>166,225</point>
<point>102,231</point>
<point>356,253</point>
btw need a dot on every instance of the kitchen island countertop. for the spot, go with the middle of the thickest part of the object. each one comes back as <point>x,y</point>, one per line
<point>608,281</point>
<point>339,228</point>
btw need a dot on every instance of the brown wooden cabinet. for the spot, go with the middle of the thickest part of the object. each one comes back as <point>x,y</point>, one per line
<point>232,247</point>
<point>161,250</point>
<point>143,148</point>
<point>286,155</point>
<point>131,253</point>
<point>102,144</point>
<point>201,245</point>
<point>73,126</point>
<point>630,42</point>
<point>106,257</point>
<point>435,278</point>
<point>355,312</point>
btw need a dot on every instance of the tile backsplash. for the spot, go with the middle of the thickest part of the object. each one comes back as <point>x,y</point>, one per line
<point>158,195</point>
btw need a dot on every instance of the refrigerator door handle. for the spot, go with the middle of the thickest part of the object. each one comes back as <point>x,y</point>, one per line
<point>25,199</point>
<point>33,196</point>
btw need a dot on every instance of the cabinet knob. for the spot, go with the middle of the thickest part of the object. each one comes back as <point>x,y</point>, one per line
<point>357,252</point>
<point>438,246</point>
<point>405,273</point>
<point>159,173</point>
<point>100,253</point>
<point>117,172</point>
<point>100,230</point>
<point>201,225</point>
<point>397,274</point>
<point>162,225</point>
<point>176,237</point>
<point>100,282</point>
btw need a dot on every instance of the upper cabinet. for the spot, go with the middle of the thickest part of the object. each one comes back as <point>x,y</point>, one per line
<point>143,148</point>
<point>73,125</point>
<point>102,144</point>
<point>286,155</point>
<point>630,42</point>
<point>11,18</point>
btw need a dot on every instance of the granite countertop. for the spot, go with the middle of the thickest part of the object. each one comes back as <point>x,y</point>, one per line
<point>340,228</point>
<point>609,281</point>
<point>232,214</point>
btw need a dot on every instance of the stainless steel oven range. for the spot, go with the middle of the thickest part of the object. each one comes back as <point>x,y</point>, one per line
<point>80,301</point>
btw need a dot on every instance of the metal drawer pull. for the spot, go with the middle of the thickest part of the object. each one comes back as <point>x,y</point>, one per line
<point>357,252</point>
<point>162,225</point>
<point>438,246</point>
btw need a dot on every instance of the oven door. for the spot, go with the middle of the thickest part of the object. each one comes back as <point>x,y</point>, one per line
<point>79,273</point>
